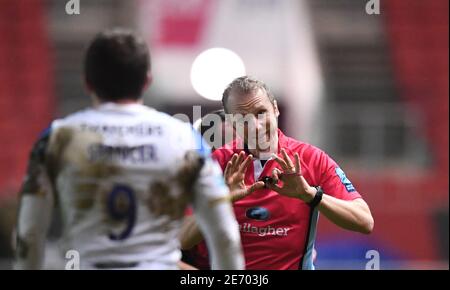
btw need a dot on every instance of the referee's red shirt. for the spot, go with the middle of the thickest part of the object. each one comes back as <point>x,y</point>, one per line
<point>278,232</point>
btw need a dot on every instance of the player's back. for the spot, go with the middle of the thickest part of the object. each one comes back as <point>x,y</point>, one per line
<point>119,172</point>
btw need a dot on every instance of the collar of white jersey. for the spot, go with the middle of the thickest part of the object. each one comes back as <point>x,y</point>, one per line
<point>133,107</point>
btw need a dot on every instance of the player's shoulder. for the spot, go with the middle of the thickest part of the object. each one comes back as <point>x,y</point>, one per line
<point>140,113</point>
<point>71,119</point>
<point>174,133</point>
<point>175,126</point>
<point>166,119</point>
<point>38,151</point>
<point>180,134</point>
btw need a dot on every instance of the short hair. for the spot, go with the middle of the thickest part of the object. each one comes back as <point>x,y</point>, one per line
<point>244,86</point>
<point>116,65</point>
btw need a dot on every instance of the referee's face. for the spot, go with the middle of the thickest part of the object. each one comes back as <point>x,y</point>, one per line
<point>255,120</point>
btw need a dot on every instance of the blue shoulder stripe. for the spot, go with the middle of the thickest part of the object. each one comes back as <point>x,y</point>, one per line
<point>46,132</point>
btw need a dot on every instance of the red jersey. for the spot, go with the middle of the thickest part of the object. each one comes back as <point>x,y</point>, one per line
<point>278,232</point>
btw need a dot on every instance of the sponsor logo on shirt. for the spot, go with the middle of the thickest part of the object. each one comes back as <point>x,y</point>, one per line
<point>258,213</point>
<point>263,231</point>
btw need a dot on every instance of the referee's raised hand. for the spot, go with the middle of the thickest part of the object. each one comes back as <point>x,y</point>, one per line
<point>294,184</point>
<point>235,177</point>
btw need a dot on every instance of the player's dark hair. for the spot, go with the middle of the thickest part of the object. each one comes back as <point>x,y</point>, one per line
<point>116,65</point>
<point>243,86</point>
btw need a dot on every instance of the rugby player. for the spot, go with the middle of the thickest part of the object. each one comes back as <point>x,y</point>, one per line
<point>123,174</point>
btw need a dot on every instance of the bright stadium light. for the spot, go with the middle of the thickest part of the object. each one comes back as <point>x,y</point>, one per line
<point>213,70</point>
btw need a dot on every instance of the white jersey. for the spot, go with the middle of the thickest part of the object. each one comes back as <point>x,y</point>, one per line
<point>123,176</point>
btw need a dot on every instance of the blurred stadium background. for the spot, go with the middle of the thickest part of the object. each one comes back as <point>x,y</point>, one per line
<point>372,90</point>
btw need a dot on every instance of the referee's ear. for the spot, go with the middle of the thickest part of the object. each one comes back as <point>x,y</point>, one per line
<point>275,108</point>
